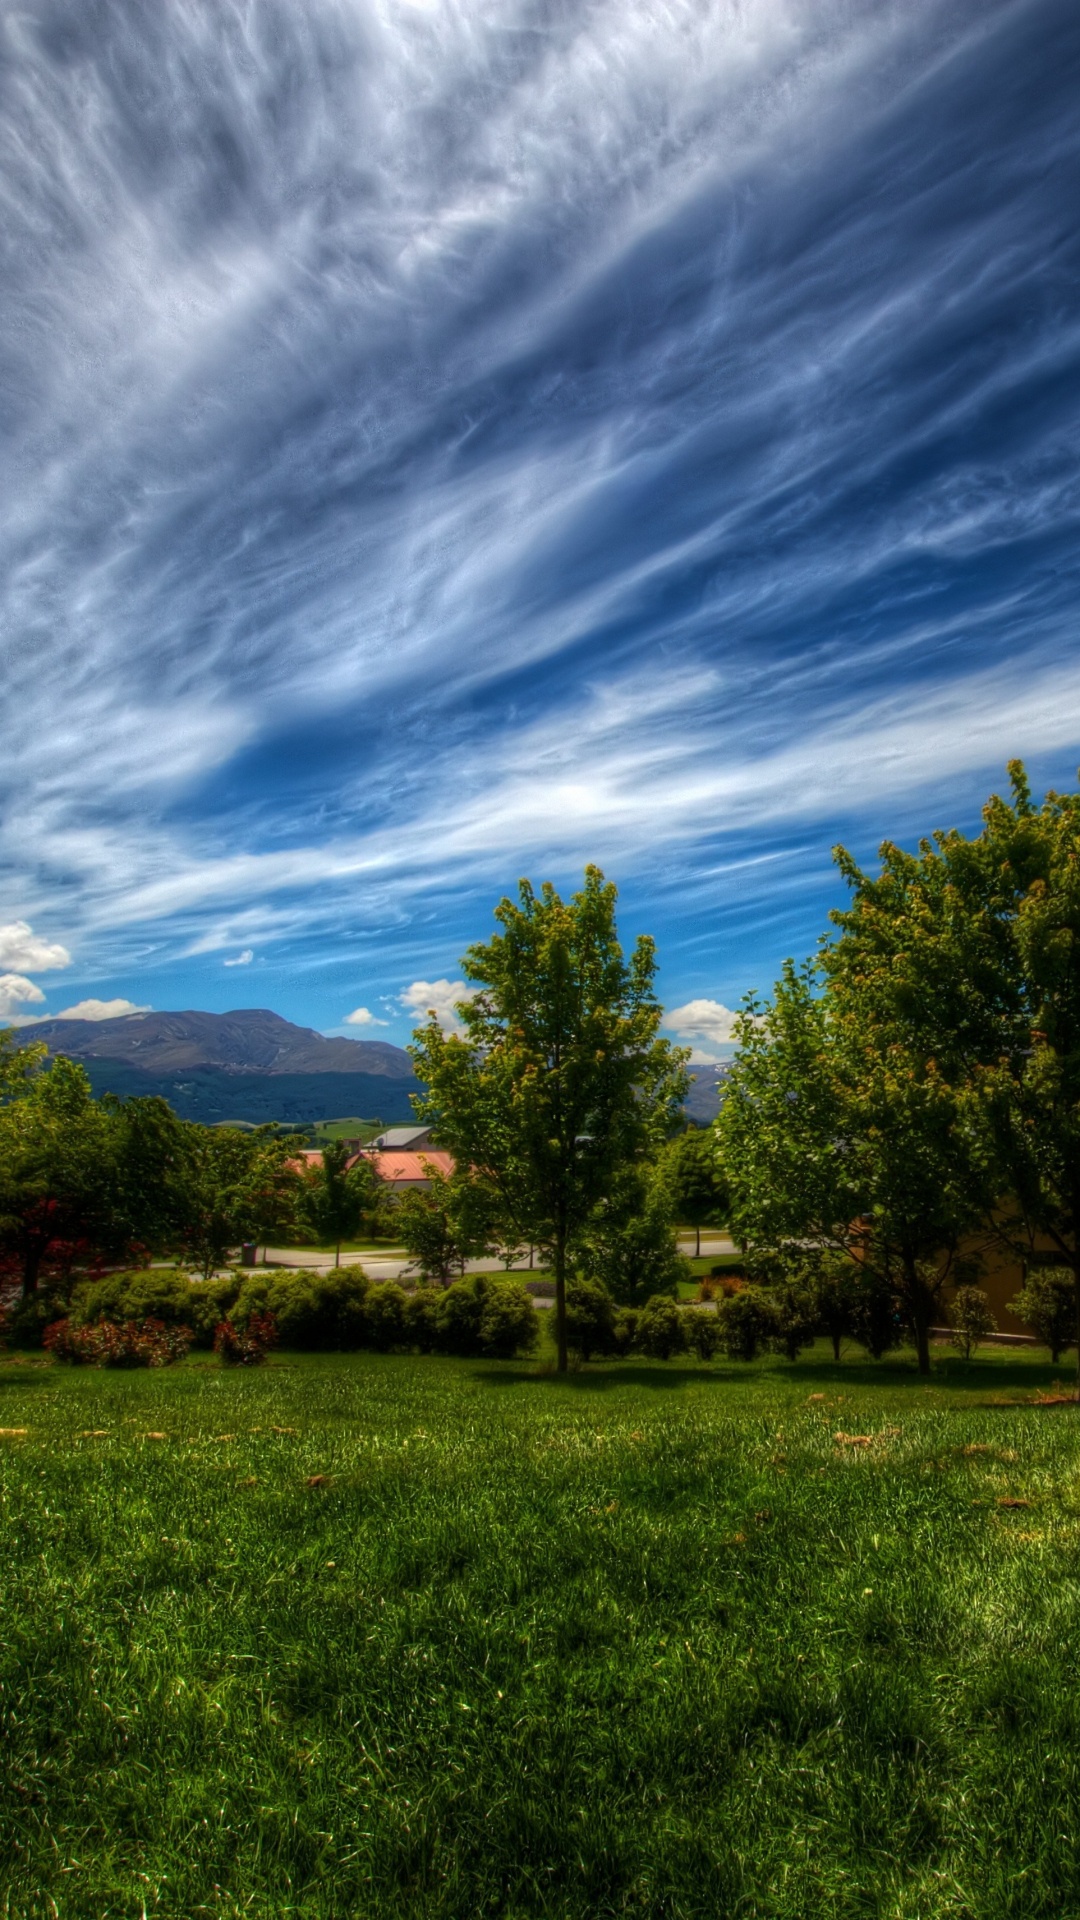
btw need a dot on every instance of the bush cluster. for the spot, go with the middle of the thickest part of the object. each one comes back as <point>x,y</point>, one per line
<point>144,1343</point>
<point>314,1312</point>
<point>245,1346</point>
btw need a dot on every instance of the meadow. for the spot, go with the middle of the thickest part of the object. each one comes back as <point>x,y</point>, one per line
<point>382,1636</point>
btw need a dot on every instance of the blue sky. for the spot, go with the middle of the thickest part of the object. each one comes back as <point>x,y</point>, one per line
<point>451,439</point>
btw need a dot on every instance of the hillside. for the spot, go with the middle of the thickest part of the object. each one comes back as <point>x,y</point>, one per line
<point>250,1040</point>
<point>246,1065</point>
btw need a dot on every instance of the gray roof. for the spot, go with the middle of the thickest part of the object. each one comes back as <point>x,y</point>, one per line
<point>400,1139</point>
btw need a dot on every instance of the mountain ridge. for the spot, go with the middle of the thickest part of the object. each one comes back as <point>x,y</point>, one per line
<point>246,1041</point>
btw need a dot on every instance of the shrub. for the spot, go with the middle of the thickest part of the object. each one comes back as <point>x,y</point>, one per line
<point>106,1343</point>
<point>421,1319</point>
<point>796,1320</point>
<point>314,1312</point>
<point>624,1330</point>
<point>245,1346</point>
<point>660,1328</point>
<point>701,1332</point>
<point>384,1317</point>
<point>29,1319</point>
<point>508,1323</point>
<point>970,1319</point>
<point>160,1293</point>
<point>590,1319</point>
<point>482,1315</point>
<point>1047,1304</point>
<point>747,1322</point>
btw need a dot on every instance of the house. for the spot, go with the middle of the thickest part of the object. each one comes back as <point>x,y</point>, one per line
<point>402,1171</point>
<point>403,1139</point>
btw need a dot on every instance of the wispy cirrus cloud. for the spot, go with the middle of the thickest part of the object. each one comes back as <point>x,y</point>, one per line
<point>482,437</point>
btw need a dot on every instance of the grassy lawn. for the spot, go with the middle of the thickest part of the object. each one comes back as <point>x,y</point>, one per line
<point>388,1636</point>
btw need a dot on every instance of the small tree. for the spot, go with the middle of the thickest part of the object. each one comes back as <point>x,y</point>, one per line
<point>970,1319</point>
<point>338,1197</point>
<point>233,1186</point>
<point>747,1322</point>
<point>560,1079</point>
<point>1047,1304</point>
<point>446,1224</point>
<point>630,1246</point>
<point>590,1319</point>
<point>699,1190</point>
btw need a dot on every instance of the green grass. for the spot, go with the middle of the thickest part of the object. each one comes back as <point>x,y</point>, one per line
<point>347,1129</point>
<point>379,1636</point>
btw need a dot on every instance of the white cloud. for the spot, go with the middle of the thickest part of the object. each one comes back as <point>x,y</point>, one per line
<point>21,947</point>
<point>16,992</point>
<point>440,997</point>
<point>707,1020</point>
<point>363,1017</point>
<point>99,1010</point>
<point>242,959</point>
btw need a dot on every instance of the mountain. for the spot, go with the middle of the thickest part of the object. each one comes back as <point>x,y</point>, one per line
<point>702,1103</point>
<point>246,1065</point>
<point>251,1040</point>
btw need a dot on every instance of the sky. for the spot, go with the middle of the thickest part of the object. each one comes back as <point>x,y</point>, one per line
<point>446,440</point>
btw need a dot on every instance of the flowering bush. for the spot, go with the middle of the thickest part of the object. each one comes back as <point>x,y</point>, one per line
<point>245,1346</point>
<point>146,1343</point>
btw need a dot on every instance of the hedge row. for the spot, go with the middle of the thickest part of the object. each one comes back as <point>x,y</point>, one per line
<point>338,1311</point>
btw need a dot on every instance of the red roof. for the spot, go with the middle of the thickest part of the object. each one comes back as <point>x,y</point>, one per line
<point>409,1167</point>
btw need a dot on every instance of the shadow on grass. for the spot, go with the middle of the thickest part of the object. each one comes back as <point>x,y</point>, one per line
<point>602,1378</point>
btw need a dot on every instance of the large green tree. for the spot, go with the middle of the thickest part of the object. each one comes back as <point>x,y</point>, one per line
<point>973,946</point>
<point>560,1078</point>
<point>234,1185</point>
<point>840,1133</point>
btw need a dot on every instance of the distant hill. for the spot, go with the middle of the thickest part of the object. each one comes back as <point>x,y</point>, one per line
<point>253,1065</point>
<point>703,1100</point>
<point>246,1065</point>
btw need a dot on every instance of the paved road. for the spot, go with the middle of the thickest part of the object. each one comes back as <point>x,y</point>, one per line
<point>390,1263</point>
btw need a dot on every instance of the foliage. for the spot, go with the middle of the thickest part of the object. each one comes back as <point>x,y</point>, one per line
<point>336,1200</point>
<point>1047,1304</point>
<point>699,1190</point>
<point>484,1314</point>
<point>970,1319</point>
<point>624,1330</point>
<point>235,1185</point>
<point>451,1222</point>
<point>701,1333</point>
<point>107,1343</point>
<point>560,1079</point>
<point>590,1319</point>
<point>313,1311</point>
<point>630,1246</point>
<point>245,1346</point>
<point>660,1328</point>
<point>157,1293</point>
<point>841,1131</point>
<point>747,1323</point>
<point>58,1173</point>
<point>421,1320</point>
<point>385,1322</point>
<point>796,1319</point>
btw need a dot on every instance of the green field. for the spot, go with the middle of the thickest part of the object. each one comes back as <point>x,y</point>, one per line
<point>386,1636</point>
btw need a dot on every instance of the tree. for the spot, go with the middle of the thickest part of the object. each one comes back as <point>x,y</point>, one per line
<point>841,1134</point>
<point>630,1245</point>
<point>337,1198</point>
<point>58,1168</point>
<point>451,1222</point>
<point>970,1319</point>
<point>698,1188</point>
<point>234,1186</point>
<point>974,946</point>
<point>1047,1304</point>
<point>560,1079</point>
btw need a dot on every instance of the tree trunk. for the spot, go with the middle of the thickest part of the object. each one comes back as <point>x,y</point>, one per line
<point>337,1254</point>
<point>560,1304</point>
<point>836,1338</point>
<point>697,1243</point>
<point>1076,1296</point>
